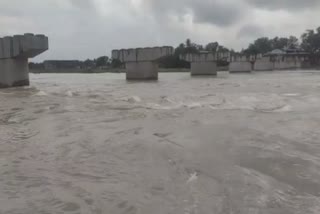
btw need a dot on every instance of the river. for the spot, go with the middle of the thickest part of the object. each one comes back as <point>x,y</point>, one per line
<point>97,144</point>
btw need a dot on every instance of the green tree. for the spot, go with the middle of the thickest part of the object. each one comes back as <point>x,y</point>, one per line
<point>172,62</point>
<point>251,50</point>
<point>221,48</point>
<point>311,44</point>
<point>188,43</point>
<point>199,47</point>
<point>102,61</point>
<point>212,47</point>
<point>232,51</point>
<point>282,43</point>
<point>311,41</point>
<point>259,46</point>
<point>279,43</point>
<point>88,63</point>
<point>180,50</point>
<point>263,45</point>
<point>191,47</point>
<point>187,48</point>
<point>293,42</point>
<point>116,63</point>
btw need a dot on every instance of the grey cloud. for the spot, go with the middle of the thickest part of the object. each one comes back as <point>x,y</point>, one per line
<point>220,13</point>
<point>216,12</point>
<point>250,31</point>
<point>80,29</point>
<point>294,5</point>
<point>83,4</point>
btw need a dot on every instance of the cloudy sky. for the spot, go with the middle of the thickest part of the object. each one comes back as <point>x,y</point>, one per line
<point>81,29</point>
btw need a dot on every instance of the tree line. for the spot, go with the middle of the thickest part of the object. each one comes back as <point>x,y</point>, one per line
<point>309,42</point>
<point>102,61</point>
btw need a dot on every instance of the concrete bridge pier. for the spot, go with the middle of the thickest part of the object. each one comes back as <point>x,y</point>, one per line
<point>145,70</point>
<point>14,54</point>
<point>141,63</point>
<point>204,68</point>
<point>14,72</point>
<point>204,63</point>
<point>240,66</point>
<point>263,64</point>
<point>241,63</point>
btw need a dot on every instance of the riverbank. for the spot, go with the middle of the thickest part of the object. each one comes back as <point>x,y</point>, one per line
<point>111,70</point>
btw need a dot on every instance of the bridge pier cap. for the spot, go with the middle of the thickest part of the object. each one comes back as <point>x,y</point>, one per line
<point>205,63</point>
<point>14,54</point>
<point>141,63</point>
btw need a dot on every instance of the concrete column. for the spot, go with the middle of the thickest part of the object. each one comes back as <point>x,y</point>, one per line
<point>147,70</point>
<point>203,68</point>
<point>240,67</point>
<point>7,47</point>
<point>14,72</point>
<point>261,65</point>
<point>223,74</point>
<point>141,63</point>
<point>14,54</point>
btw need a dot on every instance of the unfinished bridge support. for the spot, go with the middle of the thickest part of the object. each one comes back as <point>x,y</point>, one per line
<point>241,63</point>
<point>142,70</point>
<point>14,54</point>
<point>204,63</point>
<point>240,67</point>
<point>141,63</point>
<point>203,68</point>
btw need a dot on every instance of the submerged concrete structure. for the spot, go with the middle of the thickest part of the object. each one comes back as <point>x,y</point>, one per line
<point>61,64</point>
<point>263,64</point>
<point>223,74</point>
<point>141,63</point>
<point>204,63</point>
<point>241,63</point>
<point>288,59</point>
<point>14,54</point>
<point>204,68</point>
<point>282,60</point>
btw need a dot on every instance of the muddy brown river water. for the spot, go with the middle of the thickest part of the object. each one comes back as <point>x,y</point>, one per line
<point>96,144</point>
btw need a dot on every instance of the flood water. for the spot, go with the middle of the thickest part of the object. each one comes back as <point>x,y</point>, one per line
<point>97,144</point>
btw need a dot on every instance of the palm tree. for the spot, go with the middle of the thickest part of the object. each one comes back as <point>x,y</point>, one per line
<point>188,43</point>
<point>311,43</point>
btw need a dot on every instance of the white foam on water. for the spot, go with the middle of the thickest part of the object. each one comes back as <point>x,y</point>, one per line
<point>156,106</point>
<point>264,103</point>
<point>285,108</point>
<point>132,99</point>
<point>70,108</point>
<point>41,93</point>
<point>69,93</point>
<point>260,102</point>
<point>135,99</point>
<point>291,95</point>
<point>14,120</point>
<point>191,102</point>
<point>223,74</point>
<point>170,100</point>
<point>194,105</point>
<point>193,177</point>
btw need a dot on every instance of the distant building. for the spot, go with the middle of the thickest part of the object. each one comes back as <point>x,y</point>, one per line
<point>289,58</point>
<point>288,53</point>
<point>61,64</point>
